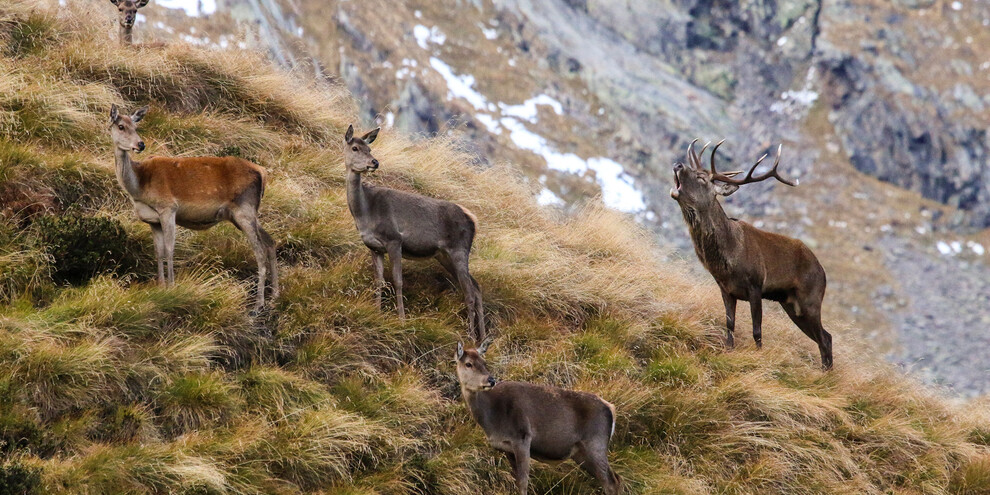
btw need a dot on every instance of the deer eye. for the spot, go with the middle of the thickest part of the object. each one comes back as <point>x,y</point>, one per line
<point>354,148</point>
<point>120,126</point>
<point>469,365</point>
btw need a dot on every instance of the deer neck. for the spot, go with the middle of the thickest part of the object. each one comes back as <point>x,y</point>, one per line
<point>713,235</point>
<point>125,173</point>
<point>357,199</point>
<point>478,402</point>
<point>126,35</point>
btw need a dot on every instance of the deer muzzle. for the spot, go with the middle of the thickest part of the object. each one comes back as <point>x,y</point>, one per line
<point>675,192</point>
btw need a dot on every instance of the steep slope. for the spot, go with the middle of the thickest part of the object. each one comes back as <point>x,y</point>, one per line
<point>116,385</point>
<point>592,97</point>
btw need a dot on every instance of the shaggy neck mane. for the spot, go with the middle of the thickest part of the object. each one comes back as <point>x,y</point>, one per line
<point>711,231</point>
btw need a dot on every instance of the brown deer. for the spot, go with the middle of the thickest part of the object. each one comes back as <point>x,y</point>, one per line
<point>526,420</point>
<point>195,193</point>
<point>403,224</point>
<point>126,15</point>
<point>750,264</point>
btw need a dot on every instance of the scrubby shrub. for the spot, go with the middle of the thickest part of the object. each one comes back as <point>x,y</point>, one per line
<point>16,479</point>
<point>83,247</point>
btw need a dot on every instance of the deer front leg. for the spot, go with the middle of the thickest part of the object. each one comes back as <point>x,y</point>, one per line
<point>730,318</point>
<point>395,255</point>
<point>756,310</point>
<point>378,266</point>
<point>159,239</point>
<point>168,230</point>
<point>521,453</point>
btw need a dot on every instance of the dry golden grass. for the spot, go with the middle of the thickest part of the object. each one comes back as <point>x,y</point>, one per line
<point>121,386</point>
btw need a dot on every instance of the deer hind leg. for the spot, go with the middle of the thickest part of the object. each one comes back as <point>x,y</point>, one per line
<point>247,222</point>
<point>271,259</point>
<point>168,235</point>
<point>378,266</point>
<point>457,264</point>
<point>730,318</point>
<point>809,320</point>
<point>594,460</point>
<point>159,238</point>
<point>395,256</point>
<point>756,310</point>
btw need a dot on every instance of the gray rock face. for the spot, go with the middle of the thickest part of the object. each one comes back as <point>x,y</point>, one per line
<point>929,149</point>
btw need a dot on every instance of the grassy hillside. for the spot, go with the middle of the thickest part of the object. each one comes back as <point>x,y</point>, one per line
<point>111,384</point>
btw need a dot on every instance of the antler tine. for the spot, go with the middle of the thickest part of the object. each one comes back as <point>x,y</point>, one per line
<point>776,161</point>
<point>703,148</point>
<point>713,156</point>
<point>692,157</point>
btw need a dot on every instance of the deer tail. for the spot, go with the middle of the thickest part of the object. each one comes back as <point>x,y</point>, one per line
<point>474,220</point>
<point>611,414</point>
<point>263,175</point>
<point>470,215</point>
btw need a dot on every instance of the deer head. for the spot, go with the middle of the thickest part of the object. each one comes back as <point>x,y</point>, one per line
<point>698,189</point>
<point>127,11</point>
<point>357,154</point>
<point>471,370</point>
<point>123,129</point>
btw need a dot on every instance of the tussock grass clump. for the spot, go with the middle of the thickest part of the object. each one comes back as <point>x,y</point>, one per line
<point>123,386</point>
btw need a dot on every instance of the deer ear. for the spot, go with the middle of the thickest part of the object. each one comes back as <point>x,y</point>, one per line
<point>483,348</point>
<point>141,3</point>
<point>371,136</point>
<point>115,2</point>
<point>724,189</point>
<point>349,135</point>
<point>114,114</point>
<point>460,351</point>
<point>139,114</point>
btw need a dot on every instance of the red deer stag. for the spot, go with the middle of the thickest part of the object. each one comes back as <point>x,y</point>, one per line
<point>196,193</point>
<point>750,264</point>
<point>526,420</point>
<point>126,15</point>
<point>410,225</point>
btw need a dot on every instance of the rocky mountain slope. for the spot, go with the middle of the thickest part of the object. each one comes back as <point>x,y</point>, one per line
<point>110,383</point>
<point>882,107</point>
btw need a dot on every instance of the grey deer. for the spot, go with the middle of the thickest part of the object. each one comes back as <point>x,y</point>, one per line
<point>192,192</point>
<point>526,420</point>
<point>126,15</point>
<point>750,264</point>
<point>403,224</point>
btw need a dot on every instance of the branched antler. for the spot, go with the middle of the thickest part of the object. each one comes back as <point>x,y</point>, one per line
<point>728,176</point>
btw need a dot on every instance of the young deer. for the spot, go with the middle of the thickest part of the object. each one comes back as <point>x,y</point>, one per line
<point>750,264</point>
<point>196,193</point>
<point>410,225</point>
<point>525,421</point>
<point>127,14</point>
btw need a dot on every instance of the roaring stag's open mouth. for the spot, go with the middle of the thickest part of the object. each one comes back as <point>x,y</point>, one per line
<point>676,191</point>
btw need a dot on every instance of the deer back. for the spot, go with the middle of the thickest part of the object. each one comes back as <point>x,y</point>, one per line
<point>208,180</point>
<point>557,418</point>
<point>423,224</point>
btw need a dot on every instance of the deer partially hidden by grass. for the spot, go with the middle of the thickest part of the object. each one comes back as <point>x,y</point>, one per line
<point>526,420</point>
<point>409,225</point>
<point>126,15</point>
<point>195,193</point>
<point>750,264</point>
